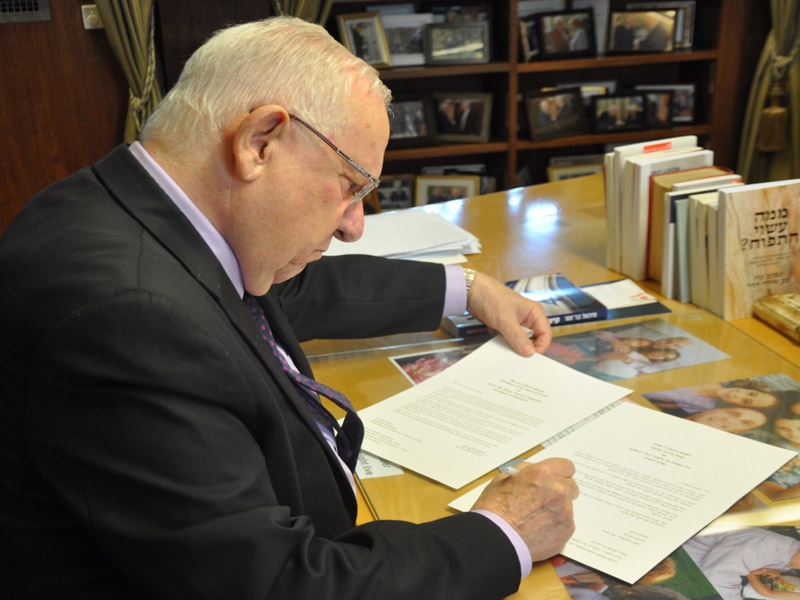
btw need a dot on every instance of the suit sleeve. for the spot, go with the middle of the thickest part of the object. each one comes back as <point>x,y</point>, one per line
<point>149,424</point>
<point>363,296</point>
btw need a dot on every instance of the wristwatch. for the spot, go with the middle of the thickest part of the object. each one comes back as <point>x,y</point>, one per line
<point>469,278</point>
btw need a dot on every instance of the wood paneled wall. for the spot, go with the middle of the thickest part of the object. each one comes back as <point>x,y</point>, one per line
<point>62,103</point>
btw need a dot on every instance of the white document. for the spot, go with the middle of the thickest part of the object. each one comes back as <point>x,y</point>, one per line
<point>481,412</point>
<point>408,234</point>
<point>648,482</point>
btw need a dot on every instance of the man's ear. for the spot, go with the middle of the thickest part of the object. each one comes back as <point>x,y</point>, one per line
<point>253,138</point>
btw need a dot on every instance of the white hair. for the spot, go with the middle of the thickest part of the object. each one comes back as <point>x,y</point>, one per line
<point>281,60</point>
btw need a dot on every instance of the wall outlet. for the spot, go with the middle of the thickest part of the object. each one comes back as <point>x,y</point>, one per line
<point>91,18</point>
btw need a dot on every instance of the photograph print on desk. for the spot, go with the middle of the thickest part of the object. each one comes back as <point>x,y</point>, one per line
<point>765,408</point>
<point>626,351</point>
<point>676,577</point>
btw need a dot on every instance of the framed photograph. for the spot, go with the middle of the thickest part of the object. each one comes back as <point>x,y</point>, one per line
<point>682,100</point>
<point>600,10</point>
<point>566,34</point>
<point>657,108</point>
<point>364,36</point>
<point>555,114</point>
<point>432,189</point>
<point>457,43</point>
<point>620,112</point>
<point>458,13</point>
<point>562,172</point>
<point>641,31</point>
<point>528,39</point>
<point>488,182</point>
<point>404,36</point>
<point>684,18</point>
<point>396,192</point>
<point>462,117</point>
<point>412,122</point>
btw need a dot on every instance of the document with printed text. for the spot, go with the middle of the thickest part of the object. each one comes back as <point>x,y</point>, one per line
<point>481,412</point>
<point>648,482</point>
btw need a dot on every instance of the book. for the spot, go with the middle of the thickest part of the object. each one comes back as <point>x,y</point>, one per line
<point>781,311</point>
<point>635,200</point>
<point>563,301</point>
<point>759,227</point>
<point>700,241</point>
<point>681,272</point>
<point>671,248</point>
<point>660,184</point>
<point>614,162</point>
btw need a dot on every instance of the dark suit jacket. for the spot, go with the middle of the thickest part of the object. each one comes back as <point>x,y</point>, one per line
<point>150,444</point>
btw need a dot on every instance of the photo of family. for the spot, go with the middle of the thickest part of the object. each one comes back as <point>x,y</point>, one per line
<point>627,351</point>
<point>676,577</point>
<point>750,563</point>
<point>765,408</point>
<point>753,563</point>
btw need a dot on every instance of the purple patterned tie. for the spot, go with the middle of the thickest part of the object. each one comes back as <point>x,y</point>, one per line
<point>350,434</point>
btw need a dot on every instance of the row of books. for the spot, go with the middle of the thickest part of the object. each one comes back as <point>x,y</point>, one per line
<point>675,217</point>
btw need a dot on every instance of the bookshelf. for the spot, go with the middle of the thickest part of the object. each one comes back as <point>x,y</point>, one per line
<point>728,36</point>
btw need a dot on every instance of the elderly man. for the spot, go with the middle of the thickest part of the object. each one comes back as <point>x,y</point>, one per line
<point>161,435</point>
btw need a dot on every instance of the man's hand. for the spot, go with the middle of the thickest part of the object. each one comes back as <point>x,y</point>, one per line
<point>537,502</point>
<point>507,312</point>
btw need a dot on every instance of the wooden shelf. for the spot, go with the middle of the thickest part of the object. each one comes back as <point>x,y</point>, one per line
<point>396,73</point>
<point>627,137</point>
<point>627,60</point>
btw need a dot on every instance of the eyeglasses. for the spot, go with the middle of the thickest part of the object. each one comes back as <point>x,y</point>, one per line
<point>360,193</point>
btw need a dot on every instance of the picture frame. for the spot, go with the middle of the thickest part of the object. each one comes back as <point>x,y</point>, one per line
<point>562,172</point>
<point>566,34</point>
<point>684,18</point>
<point>528,39</point>
<point>458,13</point>
<point>433,189</point>
<point>462,117</point>
<point>658,108</point>
<point>618,112</point>
<point>632,32</point>
<point>413,122</point>
<point>404,35</point>
<point>555,113</point>
<point>457,43</point>
<point>397,192</point>
<point>363,35</point>
<point>683,100</point>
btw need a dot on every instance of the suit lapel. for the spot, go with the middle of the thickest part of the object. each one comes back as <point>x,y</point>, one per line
<point>146,202</point>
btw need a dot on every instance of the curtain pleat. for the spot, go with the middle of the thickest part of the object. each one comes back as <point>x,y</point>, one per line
<point>753,165</point>
<point>129,27</point>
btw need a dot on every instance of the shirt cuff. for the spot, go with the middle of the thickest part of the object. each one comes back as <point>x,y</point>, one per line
<point>455,296</point>
<point>524,555</point>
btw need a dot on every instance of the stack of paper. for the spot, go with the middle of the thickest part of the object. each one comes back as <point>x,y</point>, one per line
<point>413,234</point>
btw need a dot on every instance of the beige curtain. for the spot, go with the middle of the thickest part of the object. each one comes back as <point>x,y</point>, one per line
<point>129,26</point>
<point>780,59</point>
<point>314,11</point>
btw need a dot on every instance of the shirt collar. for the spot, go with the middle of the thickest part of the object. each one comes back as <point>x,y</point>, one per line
<point>212,237</point>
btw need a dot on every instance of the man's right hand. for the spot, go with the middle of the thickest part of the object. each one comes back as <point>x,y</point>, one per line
<point>537,502</point>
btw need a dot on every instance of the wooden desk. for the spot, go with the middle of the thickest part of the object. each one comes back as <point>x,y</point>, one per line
<point>546,228</point>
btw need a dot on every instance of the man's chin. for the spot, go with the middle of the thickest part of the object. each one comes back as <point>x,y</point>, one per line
<point>294,268</point>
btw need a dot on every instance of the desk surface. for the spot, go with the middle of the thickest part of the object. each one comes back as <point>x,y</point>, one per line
<point>546,228</point>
